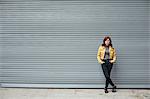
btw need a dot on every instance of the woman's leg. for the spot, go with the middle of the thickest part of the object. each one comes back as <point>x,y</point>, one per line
<point>106,67</point>
<point>109,71</point>
<point>107,82</point>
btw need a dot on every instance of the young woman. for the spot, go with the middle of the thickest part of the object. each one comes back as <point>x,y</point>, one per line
<point>106,56</point>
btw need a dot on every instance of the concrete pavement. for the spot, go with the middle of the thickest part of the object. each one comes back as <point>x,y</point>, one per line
<point>28,93</point>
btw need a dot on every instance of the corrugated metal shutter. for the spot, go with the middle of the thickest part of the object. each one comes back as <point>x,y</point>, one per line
<point>54,43</point>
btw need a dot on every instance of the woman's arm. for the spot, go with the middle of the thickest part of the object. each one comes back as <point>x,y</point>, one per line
<point>98,56</point>
<point>114,57</point>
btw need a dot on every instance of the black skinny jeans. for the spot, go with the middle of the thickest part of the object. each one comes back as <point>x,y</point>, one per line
<point>106,67</point>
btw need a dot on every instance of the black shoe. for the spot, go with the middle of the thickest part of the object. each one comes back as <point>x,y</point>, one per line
<point>106,91</point>
<point>114,89</point>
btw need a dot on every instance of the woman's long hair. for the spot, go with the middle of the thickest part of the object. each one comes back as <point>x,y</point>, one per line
<point>105,38</point>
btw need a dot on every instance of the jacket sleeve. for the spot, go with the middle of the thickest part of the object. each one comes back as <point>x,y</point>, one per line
<point>98,56</point>
<point>114,56</point>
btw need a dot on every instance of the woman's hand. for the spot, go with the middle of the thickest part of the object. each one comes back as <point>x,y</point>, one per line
<point>110,61</point>
<point>103,62</point>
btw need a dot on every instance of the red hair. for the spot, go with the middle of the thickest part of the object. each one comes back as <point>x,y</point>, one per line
<point>105,38</point>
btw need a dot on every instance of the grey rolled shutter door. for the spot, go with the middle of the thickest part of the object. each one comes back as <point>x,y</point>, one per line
<point>54,43</point>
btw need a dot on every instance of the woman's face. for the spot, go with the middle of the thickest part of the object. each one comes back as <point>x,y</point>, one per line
<point>107,42</point>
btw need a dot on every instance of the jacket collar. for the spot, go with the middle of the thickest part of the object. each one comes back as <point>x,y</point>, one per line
<point>109,48</point>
